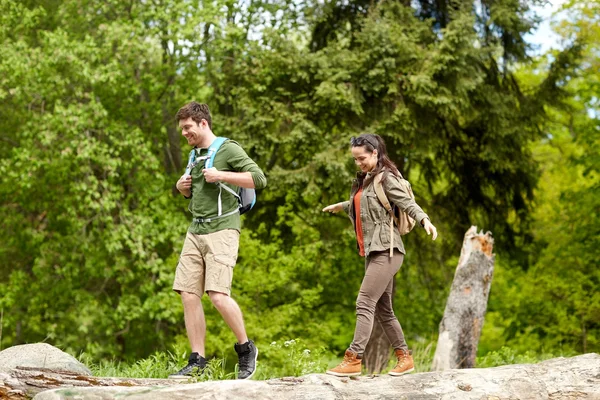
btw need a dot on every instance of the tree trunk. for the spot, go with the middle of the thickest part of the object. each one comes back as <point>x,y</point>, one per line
<point>25,382</point>
<point>377,352</point>
<point>560,378</point>
<point>172,150</point>
<point>466,307</point>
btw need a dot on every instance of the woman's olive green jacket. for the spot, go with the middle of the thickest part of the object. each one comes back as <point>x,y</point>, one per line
<point>375,219</point>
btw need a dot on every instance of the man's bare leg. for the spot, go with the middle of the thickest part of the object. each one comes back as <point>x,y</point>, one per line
<point>195,324</point>
<point>231,313</point>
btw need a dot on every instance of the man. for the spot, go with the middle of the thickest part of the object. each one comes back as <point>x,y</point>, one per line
<point>211,245</point>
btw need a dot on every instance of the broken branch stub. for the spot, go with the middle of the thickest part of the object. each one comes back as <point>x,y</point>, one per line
<point>461,325</point>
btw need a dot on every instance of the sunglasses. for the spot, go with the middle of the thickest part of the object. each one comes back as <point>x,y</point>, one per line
<point>361,141</point>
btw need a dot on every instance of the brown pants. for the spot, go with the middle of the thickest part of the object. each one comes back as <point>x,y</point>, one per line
<point>375,300</point>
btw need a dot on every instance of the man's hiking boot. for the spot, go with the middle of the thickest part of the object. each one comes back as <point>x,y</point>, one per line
<point>195,366</point>
<point>351,366</point>
<point>405,363</point>
<point>247,355</point>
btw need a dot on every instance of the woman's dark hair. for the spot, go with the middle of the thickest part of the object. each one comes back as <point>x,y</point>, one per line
<point>370,142</point>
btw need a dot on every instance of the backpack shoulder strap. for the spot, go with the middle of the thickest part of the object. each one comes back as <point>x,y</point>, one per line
<point>212,150</point>
<point>190,164</point>
<point>386,204</point>
<point>381,193</point>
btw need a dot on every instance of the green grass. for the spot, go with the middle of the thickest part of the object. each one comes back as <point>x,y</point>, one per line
<point>291,358</point>
<point>285,358</point>
<point>508,356</point>
<point>158,365</point>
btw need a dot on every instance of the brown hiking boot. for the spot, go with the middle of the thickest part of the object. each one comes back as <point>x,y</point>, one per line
<point>351,366</point>
<point>405,363</point>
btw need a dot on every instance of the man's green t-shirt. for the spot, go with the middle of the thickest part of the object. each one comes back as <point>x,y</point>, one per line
<point>204,200</point>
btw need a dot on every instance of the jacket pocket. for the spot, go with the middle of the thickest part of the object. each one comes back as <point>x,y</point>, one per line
<point>375,220</point>
<point>374,205</point>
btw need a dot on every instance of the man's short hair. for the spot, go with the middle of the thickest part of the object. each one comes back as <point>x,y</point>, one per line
<point>196,111</point>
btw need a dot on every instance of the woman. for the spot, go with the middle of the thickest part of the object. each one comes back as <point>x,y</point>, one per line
<point>372,226</point>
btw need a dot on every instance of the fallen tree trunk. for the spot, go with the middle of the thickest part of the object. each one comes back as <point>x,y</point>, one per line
<point>461,325</point>
<point>26,382</point>
<point>561,378</point>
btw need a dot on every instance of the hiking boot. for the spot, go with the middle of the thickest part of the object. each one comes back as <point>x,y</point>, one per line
<point>247,355</point>
<point>195,366</point>
<point>405,363</point>
<point>351,366</point>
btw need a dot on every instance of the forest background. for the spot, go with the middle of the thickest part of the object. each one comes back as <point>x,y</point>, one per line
<point>489,132</point>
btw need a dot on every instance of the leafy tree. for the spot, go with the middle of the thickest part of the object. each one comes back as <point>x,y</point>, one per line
<point>555,306</point>
<point>88,90</point>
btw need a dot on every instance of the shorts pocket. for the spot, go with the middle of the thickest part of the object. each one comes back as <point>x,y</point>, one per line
<point>224,247</point>
<point>219,275</point>
<point>225,259</point>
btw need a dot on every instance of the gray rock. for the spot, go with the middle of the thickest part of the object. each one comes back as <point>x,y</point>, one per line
<point>560,378</point>
<point>40,355</point>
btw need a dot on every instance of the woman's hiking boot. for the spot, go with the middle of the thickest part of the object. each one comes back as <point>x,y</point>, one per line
<point>195,366</point>
<point>351,366</point>
<point>405,363</point>
<point>247,355</point>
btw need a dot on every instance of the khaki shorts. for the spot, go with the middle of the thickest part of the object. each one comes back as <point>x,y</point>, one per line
<point>206,262</point>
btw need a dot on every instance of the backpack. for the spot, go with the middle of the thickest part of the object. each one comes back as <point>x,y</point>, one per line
<point>246,197</point>
<point>404,222</point>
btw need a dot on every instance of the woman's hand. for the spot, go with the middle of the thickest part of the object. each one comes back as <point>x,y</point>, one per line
<point>429,228</point>
<point>334,208</point>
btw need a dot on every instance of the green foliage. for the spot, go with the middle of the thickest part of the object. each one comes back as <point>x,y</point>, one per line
<point>507,356</point>
<point>157,365</point>
<point>91,229</point>
<point>555,305</point>
<point>286,358</point>
<point>290,358</point>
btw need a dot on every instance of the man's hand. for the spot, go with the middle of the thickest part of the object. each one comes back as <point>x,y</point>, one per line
<point>212,175</point>
<point>429,228</point>
<point>334,208</point>
<point>184,185</point>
